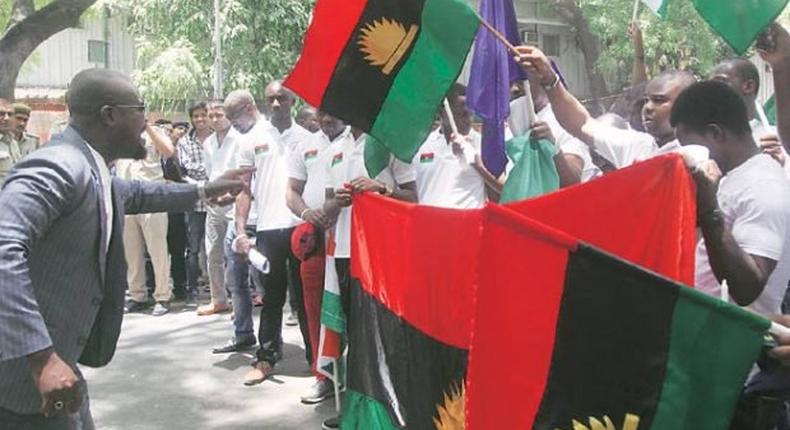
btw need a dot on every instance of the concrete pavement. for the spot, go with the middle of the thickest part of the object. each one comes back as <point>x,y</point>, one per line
<point>164,376</point>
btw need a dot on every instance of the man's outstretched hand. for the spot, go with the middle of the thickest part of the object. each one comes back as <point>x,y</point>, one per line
<point>223,190</point>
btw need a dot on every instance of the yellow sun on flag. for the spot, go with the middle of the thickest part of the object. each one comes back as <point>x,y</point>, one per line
<point>385,41</point>
<point>452,413</point>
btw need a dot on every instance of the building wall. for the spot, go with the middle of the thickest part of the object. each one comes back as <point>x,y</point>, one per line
<point>59,58</point>
<point>541,27</point>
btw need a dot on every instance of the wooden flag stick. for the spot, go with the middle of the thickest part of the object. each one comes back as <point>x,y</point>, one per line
<point>449,113</point>
<point>761,114</point>
<point>501,37</point>
<point>636,11</point>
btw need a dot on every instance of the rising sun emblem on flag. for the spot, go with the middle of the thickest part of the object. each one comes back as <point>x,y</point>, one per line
<point>452,413</point>
<point>384,42</point>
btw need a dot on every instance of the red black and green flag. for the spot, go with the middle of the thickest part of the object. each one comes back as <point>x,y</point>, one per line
<point>424,333</point>
<point>603,343</point>
<point>383,65</point>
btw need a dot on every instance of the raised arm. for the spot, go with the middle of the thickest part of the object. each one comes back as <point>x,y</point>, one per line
<point>774,48</point>
<point>570,113</point>
<point>639,73</point>
<point>162,143</point>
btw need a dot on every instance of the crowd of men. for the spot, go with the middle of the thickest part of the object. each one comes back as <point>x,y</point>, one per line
<point>302,171</point>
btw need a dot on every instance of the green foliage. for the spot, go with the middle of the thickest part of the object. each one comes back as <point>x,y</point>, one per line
<point>172,76</point>
<point>682,40</point>
<point>261,40</point>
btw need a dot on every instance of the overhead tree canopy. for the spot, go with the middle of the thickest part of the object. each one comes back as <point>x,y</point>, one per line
<point>28,23</point>
<point>261,41</point>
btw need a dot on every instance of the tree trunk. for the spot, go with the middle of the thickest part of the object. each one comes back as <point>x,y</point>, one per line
<point>588,42</point>
<point>24,36</point>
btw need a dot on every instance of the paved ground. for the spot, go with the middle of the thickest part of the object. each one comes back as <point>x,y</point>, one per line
<point>165,377</point>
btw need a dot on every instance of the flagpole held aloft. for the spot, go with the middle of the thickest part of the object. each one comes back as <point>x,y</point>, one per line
<point>636,10</point>
<point>450,118</point>
<point>496,33</point>
<point>761,114</point>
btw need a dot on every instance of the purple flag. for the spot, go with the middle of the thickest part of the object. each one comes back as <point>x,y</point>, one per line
<point>493,71</point>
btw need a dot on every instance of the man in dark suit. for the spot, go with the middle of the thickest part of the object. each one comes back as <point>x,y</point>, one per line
<point>62,266</point>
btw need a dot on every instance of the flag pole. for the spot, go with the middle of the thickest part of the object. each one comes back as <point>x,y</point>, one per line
<point>449,113</point>
<point>496,33</point>
<point>636,11</point>
<point>761,114</point>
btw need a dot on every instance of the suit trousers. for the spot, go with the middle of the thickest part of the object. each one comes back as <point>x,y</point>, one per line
<point>216,228</point>
<point>141,232</point>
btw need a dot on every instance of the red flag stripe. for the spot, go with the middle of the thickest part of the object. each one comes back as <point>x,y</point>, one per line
<point>323,47</point>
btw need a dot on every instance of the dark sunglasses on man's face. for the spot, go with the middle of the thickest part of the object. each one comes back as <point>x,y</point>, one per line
<point>139,108</point>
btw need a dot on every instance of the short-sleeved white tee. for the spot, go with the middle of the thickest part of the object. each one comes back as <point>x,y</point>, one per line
<point>345,161</point>
<point>262,148</point>
<point>569,144</point>
<point>445,179</point>
<point>305,163</point>
<point>623,147</point>
<point>755,201</point>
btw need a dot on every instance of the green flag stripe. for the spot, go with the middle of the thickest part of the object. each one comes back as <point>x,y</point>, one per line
<point>739,23</point>
<point>332,313</point>
<point>448,29</point>
<point>700,393</point>
<point>361,412</point>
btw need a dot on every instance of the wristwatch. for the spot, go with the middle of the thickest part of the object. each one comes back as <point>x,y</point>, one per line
<point>386,190</point>
<point>711,217</point>
<point>553,84</point>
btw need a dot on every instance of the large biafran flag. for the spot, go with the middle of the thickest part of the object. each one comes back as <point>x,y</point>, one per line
<point>739,22</point>
<point>383,65</point>
<point>604,343</point>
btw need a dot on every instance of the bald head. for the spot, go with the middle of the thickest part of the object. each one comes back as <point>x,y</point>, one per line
<point>93,88</point>
<point>741,75</point>
<point>240,110</point>
<point>279,101</point>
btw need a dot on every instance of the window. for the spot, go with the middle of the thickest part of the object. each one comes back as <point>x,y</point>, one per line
<point>551,45</point>
<point>529,34</point>
<point>97,52</point>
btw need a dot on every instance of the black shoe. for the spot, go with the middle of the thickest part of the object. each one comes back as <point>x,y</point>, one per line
<point>135,307</point>
<point>331,423</point>
<point>234,345</point>
<point>319,392</point>
<point>191,297</point>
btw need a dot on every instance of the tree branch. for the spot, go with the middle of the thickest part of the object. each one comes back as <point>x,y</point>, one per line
<point>53,18</point>
<point>20,10</point>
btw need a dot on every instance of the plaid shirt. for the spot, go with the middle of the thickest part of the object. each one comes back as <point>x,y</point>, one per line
<point>192,160</point>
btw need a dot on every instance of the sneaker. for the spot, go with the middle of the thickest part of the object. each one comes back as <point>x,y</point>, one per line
<point>192,298</point>
<point>135,307</point>
<point>235,345</point>
<point>292,320</point>
<point>160,309</point>
<point>331,423</point>
<point>319,392</point>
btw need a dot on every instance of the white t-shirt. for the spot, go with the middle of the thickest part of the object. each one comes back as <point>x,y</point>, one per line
<point>755,201</point>
<point>624,147</point>
<point>569,144</point>
<point>261,147</point>
<point>760,130</point>
<point>345,161</point>
<point>448,180</point>
<point>293,136</point>
<point>305,163</point>
<point>220,159</point>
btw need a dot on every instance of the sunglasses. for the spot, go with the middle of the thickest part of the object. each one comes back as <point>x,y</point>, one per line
<point>139,108</point>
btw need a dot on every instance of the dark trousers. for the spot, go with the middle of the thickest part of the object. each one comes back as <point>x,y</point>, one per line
<point>343,268</point>
<point>196,228</point>
<point>276,246</point>
<point>176,247</point>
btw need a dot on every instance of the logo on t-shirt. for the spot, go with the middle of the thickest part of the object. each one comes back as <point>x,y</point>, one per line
<point>338,158</point>
<point>426,158</point>
<point>261,149</point>
<point>311,155</point>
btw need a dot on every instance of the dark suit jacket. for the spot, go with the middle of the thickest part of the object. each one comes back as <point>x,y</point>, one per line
<point>58,286</point>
